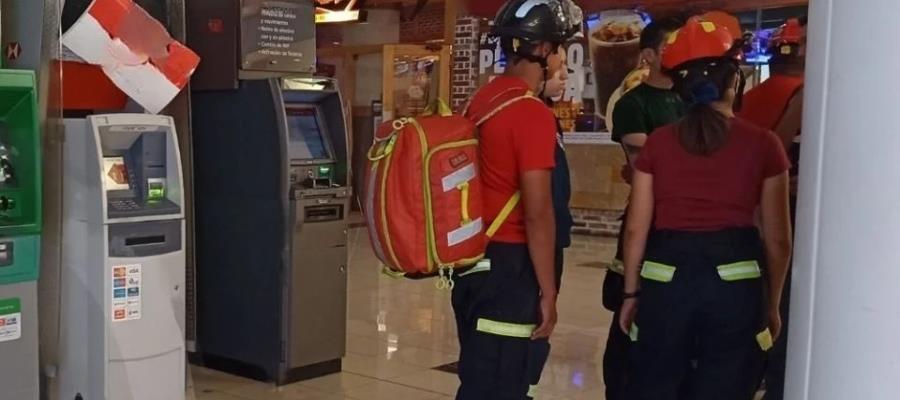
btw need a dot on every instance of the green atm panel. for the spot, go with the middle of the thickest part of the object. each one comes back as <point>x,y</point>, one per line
<point>20,177</point>
<point>20,227</point>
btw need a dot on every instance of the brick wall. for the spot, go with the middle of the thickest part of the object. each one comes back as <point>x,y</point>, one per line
<point>427,25</point>
<point>596,222</point>
<point>465,60</point>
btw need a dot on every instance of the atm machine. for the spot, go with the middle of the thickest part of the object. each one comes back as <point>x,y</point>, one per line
<point>20,229</point>
<point>123,268</point>
<point>272,197</point>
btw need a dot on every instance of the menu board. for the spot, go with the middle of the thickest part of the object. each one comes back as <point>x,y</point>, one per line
<point>278,36</point>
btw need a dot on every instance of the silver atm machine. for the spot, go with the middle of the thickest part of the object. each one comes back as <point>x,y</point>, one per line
<point>122,328</point>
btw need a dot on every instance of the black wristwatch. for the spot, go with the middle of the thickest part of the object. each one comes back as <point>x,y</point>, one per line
<point>632,295</point>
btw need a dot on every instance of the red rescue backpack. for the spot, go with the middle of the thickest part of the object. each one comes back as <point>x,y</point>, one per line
<point>422,197</point>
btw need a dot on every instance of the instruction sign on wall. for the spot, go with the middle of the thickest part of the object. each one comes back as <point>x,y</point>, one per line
<point>10,319</point>
<point>126,292</point>
<point>278,36</point>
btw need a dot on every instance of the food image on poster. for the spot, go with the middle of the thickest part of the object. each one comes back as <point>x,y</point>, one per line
<point>126,292</point>
<point>615,51</point>
<point>115,174</point>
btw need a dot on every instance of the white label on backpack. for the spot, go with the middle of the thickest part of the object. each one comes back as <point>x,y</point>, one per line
<point>464,233</point>
<point>462,175</point>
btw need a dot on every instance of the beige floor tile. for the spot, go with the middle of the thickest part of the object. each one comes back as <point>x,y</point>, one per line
<point>377,367</point>
<point>216,395</point>
<point>271,392</point>
<point>205,379</point>
<point>338,383</point>
<point>431,380</point>
<point>390,391</point>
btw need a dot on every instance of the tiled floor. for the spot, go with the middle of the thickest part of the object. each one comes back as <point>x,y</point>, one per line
<point>399,330</point>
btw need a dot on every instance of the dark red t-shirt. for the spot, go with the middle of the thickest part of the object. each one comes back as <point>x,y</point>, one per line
<point>707,193</point>
<point>520,138</point>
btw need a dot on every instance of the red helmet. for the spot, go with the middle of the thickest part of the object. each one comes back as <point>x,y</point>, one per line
<point>698,39</point>
<point>789,33</point>
<point>784,40</point>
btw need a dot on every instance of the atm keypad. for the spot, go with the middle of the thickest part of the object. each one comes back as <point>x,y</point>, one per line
<point>125,205</point>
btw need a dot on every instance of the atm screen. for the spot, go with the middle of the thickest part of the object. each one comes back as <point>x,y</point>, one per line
<point>115,174</point>
<point>307,140</point>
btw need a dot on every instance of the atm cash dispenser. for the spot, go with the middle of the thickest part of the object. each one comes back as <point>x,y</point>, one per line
<point>122,328</point>
<point>272,196</point>
<point>20,228</point>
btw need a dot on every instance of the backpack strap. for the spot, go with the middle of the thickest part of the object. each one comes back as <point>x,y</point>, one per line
<point>517,196</point>
<point>504,214</point>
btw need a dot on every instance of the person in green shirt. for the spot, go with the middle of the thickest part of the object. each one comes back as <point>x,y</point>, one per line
<point>636,115</point>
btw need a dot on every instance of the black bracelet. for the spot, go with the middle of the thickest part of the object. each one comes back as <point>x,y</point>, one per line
<point>633,295</point>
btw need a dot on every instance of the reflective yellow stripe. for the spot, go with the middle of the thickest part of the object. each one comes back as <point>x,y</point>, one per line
<point>464,203</point>
<point>385,231</point>
<point>502,106</point>
<point>505,328</point>
<point>617,266</point>
<point>765,340</point>
<point>633,333</point>
<point>504,214</point>
<point>657,272</point>
<point>387,271</point>
<point>431,253</point>
<point>532,391</point>
<point>482,266</point>
<point>739,271</point>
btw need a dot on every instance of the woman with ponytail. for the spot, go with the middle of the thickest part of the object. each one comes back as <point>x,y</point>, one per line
<point>694,287</point>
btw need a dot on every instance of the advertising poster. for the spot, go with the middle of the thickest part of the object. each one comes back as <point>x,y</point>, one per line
<point>115,174</point>
<point>329,11</point>
<point>614,38</point>
<point>576,108</point>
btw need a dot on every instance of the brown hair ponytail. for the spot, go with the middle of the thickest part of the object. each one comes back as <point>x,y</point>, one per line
<point>704,130</point>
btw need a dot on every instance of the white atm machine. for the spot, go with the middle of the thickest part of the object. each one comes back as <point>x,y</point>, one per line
<point>122,330</point>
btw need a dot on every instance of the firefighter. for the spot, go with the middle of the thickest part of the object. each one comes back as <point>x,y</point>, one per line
<point>506,304</point>
<point>777,104</point>
<point>694,288</point>
<point>555,88</point>
<point>642,110</point>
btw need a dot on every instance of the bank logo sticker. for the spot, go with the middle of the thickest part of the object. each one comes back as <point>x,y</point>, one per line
<point>126,299</point>
<point>10,319</point>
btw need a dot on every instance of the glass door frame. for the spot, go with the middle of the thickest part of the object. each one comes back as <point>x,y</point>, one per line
<point>391,51</point>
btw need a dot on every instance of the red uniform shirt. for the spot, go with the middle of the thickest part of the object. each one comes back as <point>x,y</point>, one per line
<point>765,104</point>
<point>520,138</point>
<point>708,193</point>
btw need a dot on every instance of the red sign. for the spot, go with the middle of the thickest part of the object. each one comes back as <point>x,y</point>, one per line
<point>13,51</point>
<point>216,25</point>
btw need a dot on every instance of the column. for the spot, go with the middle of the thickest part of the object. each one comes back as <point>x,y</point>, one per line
<point>845,328</point>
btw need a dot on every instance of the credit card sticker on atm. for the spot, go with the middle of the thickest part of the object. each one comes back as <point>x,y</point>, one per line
<point>126,294</point>
<point>10,319</point>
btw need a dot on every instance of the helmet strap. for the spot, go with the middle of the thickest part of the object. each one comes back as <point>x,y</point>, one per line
<point>739,95</point>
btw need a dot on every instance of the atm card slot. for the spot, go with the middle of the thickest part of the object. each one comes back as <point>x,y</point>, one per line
<point>323,213</point>
<point>145,240</point>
